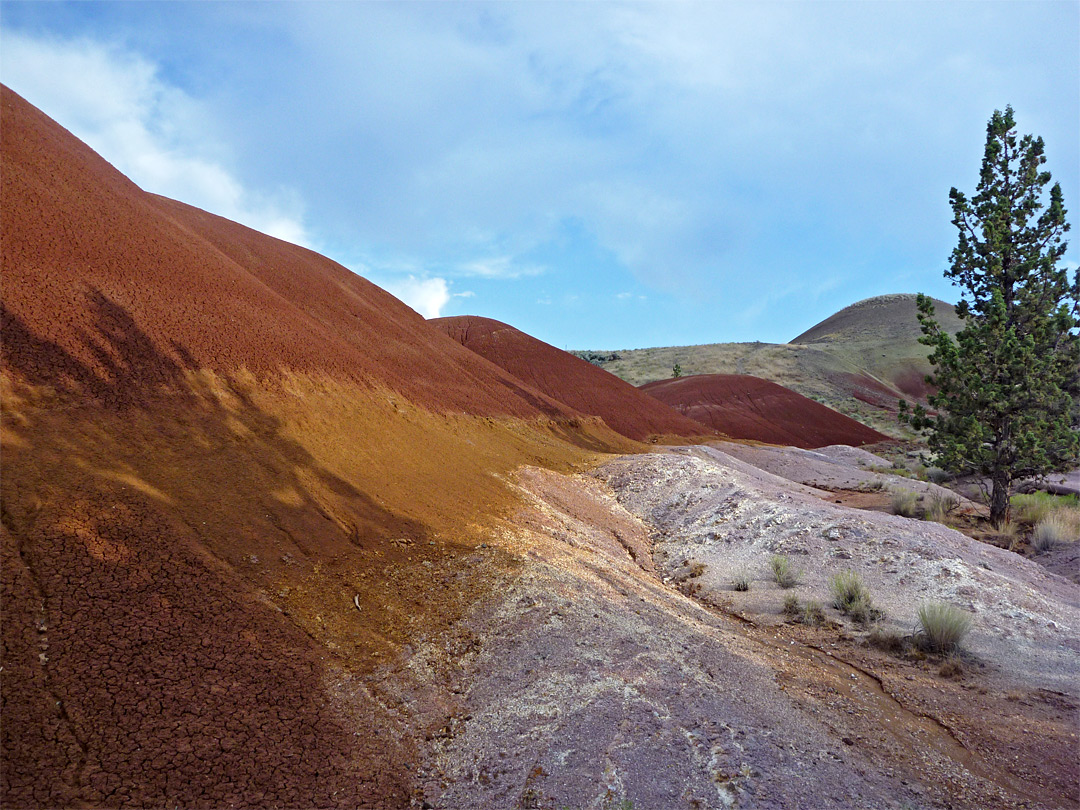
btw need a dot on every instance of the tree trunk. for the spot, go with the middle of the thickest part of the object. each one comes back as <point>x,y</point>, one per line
<point>999,496</point>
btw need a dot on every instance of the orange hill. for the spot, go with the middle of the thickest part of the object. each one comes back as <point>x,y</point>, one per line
<point>216,446</point>
<point>569,379</point>
<point>746,407</point>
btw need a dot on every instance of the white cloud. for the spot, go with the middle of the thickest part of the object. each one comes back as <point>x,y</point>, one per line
<point>498,267</point>
<point>154,133</point>
<point>426,295</point>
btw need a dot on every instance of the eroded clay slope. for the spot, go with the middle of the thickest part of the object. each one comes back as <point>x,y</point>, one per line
<point>604,670</point>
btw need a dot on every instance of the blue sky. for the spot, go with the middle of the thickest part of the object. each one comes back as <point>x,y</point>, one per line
<point>600,175</point>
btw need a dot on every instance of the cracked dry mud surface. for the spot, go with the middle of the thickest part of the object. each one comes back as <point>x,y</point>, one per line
<point>593,678</point>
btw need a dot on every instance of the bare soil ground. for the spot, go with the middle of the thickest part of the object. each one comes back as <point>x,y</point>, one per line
<point>611,668</point>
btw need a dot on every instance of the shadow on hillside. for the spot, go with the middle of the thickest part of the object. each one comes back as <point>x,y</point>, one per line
<point>143,514</point>
<point>129,371</point>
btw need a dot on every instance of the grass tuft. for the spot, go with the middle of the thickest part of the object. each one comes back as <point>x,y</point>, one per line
<point>785,574</point>
<point>851,598</point>
<point>792,608</point>
<point>1053,530</point>
<point>888,640</point>
<point>846,587</point>
<point>740,581</point>
<point>1035,506</point>
<point>942,626</point>
<point>813,614</point>
<point>939,507</point>
<point>905,503</point>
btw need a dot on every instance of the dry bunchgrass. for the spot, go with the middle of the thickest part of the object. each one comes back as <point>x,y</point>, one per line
<point>888,640</point>
<point>846,587</point>
<point>939,507</point>
<point>813,614</point>
<point>942,626</point>
<point>1062,526</point>
<point>1006,528</point>
<point>740,581</point>
<point>905,503</point>
<point>792,608</point>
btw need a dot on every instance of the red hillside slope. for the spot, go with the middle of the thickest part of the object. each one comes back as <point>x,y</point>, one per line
<point>569,379</point>
<point>747,407</point>
<point>220,451</point>
<point>83,245</point>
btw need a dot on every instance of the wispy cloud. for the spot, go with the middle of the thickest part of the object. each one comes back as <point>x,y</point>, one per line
<point>499,267</point>
<point>116,101</point>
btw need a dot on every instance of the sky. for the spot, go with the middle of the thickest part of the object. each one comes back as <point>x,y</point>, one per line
<point>599,175</point>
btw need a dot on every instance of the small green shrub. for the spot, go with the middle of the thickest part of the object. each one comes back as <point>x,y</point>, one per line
<point>936,475</point>
<point>791,608</point>
<point>813,614</point>
<point>851,598</point>
<point>905,503</point>
<point>785,574</point>
<point>942,626</point>
<point>740,581</point>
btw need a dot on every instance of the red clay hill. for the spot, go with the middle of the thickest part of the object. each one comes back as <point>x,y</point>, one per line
<point>569,379</point>
<point>746,407</point>
<point>219,450</point>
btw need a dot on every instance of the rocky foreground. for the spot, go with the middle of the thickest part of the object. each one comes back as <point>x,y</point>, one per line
<point>618,665</point>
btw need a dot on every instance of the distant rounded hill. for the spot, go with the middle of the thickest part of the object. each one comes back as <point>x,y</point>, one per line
<point>861,360</point>
<point>746,407</point>
<point>881,336</point>
<point>569,379</point>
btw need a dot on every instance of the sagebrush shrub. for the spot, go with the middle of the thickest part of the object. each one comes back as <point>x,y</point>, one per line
<point>785,574</point>
<point>851,598</point>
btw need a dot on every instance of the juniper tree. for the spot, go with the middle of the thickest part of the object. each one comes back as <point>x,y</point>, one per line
<point>1007,386</point>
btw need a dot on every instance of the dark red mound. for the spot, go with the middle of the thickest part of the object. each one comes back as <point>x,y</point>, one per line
<point>90,259</point>
<point>569,379</point>
<point>747,407</point>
